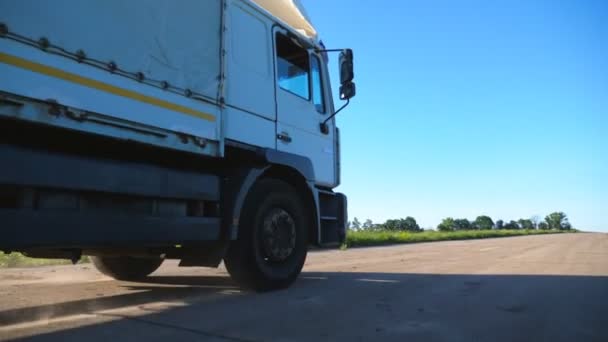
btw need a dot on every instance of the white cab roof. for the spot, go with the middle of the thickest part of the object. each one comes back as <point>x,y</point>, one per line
<point>292,13</point>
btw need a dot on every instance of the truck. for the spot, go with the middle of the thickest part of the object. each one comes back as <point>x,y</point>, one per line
<point>138,131</point>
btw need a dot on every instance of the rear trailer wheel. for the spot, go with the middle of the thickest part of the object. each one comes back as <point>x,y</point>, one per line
<point>125,267</point>
<point>272,242</point>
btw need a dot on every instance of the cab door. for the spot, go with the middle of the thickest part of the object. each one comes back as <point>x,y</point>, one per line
<point>301,99</point>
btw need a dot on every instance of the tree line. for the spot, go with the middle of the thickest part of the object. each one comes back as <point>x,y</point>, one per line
<point>557,220</point>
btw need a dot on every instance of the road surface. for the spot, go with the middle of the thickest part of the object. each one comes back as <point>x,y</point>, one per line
<point>534,288</point>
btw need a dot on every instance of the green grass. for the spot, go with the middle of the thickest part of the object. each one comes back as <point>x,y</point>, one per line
<point>383,237</point>
<point>20,260</point>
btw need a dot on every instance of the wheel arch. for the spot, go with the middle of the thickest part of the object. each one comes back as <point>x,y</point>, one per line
<point>261,163</point>
<point>305,190</point>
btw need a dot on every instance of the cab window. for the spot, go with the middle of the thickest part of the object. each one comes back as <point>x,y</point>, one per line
<point>317,84</point>
<point>293,64</point>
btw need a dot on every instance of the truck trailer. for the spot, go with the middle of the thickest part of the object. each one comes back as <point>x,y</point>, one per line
<point>139,131</point>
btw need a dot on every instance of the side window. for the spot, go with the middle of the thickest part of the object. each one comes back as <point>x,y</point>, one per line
<point>293,66</point>
<point>317,84</point>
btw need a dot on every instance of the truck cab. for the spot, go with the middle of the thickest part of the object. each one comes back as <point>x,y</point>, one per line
<point>200,131</point>
<point>281,84</point>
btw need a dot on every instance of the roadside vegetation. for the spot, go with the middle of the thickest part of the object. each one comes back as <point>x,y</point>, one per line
<point>386,237</point>
<point>20,260</point>
<point>408,231</point>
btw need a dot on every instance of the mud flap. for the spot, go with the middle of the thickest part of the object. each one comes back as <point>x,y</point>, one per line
<point>333,208</point>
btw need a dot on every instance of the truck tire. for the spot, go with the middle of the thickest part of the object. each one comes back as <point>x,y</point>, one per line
<point>125,267</point>
<point>272,242</point>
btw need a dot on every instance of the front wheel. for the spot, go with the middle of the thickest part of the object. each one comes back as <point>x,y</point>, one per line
<point>271,247</point>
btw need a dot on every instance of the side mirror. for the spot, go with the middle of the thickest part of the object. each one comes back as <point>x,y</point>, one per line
<point>347,91</point>
<point>346,66</point>
<point>347,74</point>
<point>347,86</point>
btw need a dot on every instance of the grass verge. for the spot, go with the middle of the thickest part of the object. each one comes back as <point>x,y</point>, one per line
<point>383,237</point>
<point>19,260</point>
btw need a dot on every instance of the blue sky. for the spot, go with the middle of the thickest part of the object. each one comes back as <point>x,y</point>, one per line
<point>473,107</point>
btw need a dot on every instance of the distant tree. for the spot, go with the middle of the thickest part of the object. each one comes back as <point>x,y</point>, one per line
<point>348,225</point>
<point>392,224</point>
<point>411,224</point>
<point>368,224</point>
<point>407,224</point>
<point>356,224</point>
<point>462,224</point>
<point>543,225</point>
<point>511,225</point>
<point>535,221</point>
<point>446,225</point>
<point>483,222</point>
<point>558,220</point>
<point>500,224</point>
<point>526,224</point>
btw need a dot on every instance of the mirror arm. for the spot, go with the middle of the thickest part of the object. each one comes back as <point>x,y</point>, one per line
<point>336,112</point>
<point>323,124</point>
<point>330,50</point>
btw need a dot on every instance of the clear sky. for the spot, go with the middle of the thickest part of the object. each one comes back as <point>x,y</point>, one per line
<point>473,107</point>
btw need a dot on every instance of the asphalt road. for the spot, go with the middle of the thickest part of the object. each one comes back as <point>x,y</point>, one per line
<point>535,288</point>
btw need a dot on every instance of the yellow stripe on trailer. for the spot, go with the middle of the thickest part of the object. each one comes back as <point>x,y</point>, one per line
<point>94,84</point>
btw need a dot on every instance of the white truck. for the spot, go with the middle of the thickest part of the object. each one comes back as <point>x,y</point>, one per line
<point>198,130</point>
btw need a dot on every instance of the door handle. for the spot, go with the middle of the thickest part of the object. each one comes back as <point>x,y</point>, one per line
<point>284,137</point>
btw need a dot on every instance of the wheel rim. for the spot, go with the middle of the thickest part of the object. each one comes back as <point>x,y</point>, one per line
<point>278,236</point>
